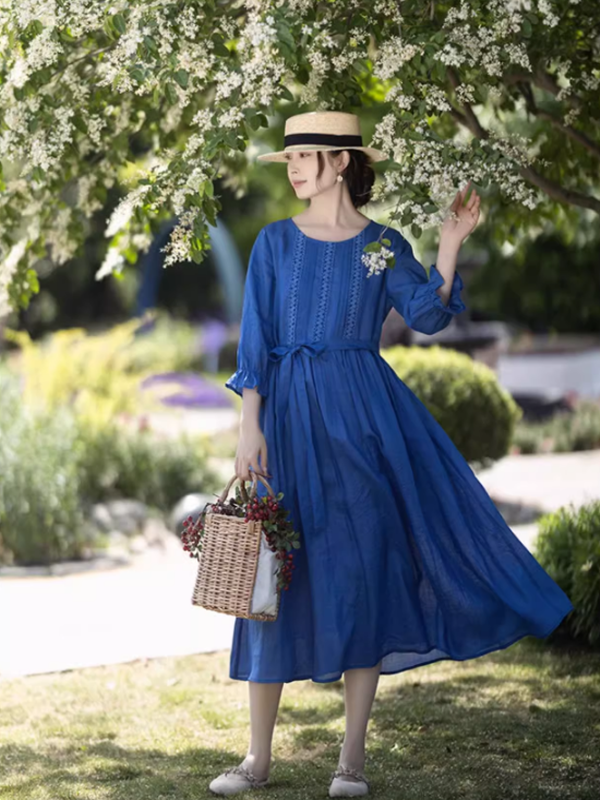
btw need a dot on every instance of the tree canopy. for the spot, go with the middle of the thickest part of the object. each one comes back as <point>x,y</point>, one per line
<point>164,97</point>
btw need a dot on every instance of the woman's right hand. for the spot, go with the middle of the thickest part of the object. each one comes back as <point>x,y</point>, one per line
<point>251,445</point>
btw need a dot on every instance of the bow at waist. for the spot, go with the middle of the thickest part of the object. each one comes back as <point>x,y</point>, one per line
<point>316,348</point>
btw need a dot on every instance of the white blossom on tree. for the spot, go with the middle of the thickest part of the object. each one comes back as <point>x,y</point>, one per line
<point>504,92</point>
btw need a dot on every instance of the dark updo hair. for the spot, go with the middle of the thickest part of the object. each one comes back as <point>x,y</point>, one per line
<point>359,175</point>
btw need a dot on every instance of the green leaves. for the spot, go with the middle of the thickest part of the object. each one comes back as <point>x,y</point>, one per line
<point>119,22</point>
<point>34,28</point>
<point>182,77</point>
<point>219,47</point>
<point>257,121</point>
<point>150,44</point>
<point>285,93</point>
<point>137,74</point>
<point>171,93</point>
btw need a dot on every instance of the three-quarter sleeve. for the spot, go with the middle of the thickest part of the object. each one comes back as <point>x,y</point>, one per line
<point>413,294</point>
<point>256,327</point>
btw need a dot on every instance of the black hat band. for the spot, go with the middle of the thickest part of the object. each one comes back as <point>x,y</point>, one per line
<point>338,140</point>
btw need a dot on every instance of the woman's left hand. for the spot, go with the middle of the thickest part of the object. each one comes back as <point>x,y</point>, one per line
<point>456,229</point>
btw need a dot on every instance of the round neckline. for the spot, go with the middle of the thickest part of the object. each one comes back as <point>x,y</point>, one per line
<point>329,241</point>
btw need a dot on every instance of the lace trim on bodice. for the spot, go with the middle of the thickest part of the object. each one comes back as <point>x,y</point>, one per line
<point>355,288</point>
<point>298,261</point>
<point>324,292</point>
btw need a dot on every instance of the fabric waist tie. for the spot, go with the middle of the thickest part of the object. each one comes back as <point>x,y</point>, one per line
<point>302,422</point>
<point>316,348</point>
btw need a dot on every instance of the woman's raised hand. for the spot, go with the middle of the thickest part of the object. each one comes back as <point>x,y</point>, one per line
<point>462,217</point>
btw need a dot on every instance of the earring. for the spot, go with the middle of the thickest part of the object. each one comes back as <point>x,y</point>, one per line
<point>340,177</point>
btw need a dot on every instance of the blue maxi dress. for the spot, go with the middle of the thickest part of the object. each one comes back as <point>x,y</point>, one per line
<point>404,557</point>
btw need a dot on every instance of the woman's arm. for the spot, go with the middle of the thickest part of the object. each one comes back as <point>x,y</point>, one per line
<point>252,444</point>
<point>251,378</point>
<point>446,265</point>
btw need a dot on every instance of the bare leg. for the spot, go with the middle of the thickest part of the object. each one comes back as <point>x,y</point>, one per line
<point>360,686</point>
<point>264,702</point>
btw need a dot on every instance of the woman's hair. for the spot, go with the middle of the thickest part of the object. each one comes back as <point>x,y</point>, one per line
<point>359,175</point>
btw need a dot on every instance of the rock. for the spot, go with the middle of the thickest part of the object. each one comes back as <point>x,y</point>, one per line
<point>189,506</point>
<point>161,539</point>
<point>517,513</point>
<point>128,516</point>
<point>156,532</point>
<point>100,517</point>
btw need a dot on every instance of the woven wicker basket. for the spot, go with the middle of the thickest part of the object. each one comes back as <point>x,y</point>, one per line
<point>229,560</point>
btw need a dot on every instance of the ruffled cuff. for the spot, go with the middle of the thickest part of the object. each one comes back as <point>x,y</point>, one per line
<point>427,297</point>
<point>251,379</point>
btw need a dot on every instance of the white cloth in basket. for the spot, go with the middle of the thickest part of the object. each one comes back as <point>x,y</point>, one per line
<point>264,596</point>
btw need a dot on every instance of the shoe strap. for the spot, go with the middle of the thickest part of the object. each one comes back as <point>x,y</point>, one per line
<point>355,773</point>
<point>241,770</point>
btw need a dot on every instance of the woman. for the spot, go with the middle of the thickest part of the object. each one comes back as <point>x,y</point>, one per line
<point>404,558</point>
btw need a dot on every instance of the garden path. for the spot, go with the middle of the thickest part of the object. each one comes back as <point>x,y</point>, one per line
<point>143,610</point>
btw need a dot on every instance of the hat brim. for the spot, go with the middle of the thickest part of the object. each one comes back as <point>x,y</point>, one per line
<point>280,155</point>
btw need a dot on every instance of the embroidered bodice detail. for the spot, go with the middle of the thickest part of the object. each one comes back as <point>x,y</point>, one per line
<point>324,292</point>
<point>307,296</point>
<point>298,256</point>
<point>358,275</point>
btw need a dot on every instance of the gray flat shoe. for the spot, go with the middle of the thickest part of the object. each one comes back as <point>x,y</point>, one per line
<point>341,787</point>
<point>236,779</point>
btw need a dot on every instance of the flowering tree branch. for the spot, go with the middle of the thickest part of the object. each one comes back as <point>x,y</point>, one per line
<point>543,80</point>
<point>560,193</point>
<point>193,82</point>
<point>577,136</point>
<point>553,189</point>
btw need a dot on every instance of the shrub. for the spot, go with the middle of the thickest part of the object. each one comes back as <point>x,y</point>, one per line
<point>568,547</point>
<point>99,375</point>
<point>54,465</point>
<point>564,432</point>
<point>115,463</point>
<point>463,395</point>
<point>41,519</point>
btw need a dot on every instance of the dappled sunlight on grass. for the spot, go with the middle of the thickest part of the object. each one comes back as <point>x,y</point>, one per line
<point>518,723</point>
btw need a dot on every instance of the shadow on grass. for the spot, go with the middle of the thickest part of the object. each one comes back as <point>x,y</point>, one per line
<point>517,723</point>
<point>111,772</point>
<point>522,722</point>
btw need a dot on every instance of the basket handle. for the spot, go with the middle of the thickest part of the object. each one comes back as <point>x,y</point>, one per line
<point>243,492</point>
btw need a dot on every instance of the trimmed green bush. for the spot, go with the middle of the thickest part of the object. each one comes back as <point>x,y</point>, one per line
<point>568,547</point>
<point>463,395</point>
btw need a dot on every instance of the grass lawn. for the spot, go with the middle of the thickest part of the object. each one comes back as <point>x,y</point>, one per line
<point>518,723</point>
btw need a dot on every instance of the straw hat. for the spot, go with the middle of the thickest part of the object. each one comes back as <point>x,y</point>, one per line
<point>322,130</point>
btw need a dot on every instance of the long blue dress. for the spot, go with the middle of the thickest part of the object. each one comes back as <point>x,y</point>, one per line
<point>404,557</point>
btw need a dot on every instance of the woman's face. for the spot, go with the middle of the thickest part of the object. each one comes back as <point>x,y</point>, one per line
<point>302,167</point>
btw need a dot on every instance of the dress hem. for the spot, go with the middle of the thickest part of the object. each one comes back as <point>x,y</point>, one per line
<point>493,648</point>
